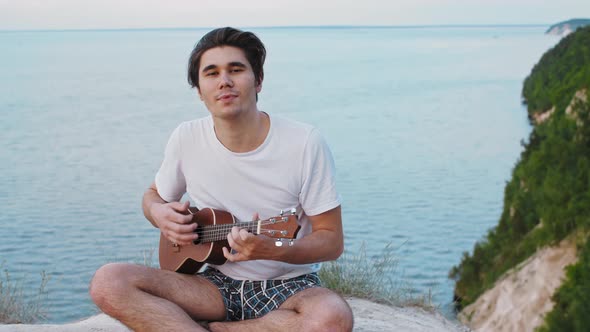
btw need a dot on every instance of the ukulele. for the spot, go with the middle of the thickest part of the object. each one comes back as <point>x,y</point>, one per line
<point>214,225</point>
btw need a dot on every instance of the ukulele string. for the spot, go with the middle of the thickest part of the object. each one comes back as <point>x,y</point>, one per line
<point>214,233</point>
<point>212,229</point>
<point>223,236</point>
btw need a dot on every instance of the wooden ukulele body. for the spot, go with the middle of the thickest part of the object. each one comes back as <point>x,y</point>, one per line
<point>214,225</point>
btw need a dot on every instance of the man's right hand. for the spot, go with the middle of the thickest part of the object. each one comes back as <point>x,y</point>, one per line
<point>175,222</point>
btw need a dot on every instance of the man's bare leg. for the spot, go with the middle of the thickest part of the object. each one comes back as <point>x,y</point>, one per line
<point>148,299</point>
<point>313,309</point>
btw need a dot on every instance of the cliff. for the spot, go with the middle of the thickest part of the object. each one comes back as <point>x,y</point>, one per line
<point>522,296</point>
<point>546,201</point>
<point>566,27</point>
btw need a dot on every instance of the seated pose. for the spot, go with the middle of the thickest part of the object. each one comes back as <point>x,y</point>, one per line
<point>250,165</point>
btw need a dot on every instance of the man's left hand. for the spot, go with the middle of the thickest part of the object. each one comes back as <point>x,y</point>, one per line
<point>247,246</point>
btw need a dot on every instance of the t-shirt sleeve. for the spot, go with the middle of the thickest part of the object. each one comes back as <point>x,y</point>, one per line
<point>170,180</point>
<point>318,192</point>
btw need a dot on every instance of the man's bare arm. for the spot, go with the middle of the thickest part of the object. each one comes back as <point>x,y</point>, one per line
<point>169,217</point>
<point>324,243</point>
<point>151,197</point>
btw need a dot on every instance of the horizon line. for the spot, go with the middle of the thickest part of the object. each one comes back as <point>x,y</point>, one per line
<point>418,26</point>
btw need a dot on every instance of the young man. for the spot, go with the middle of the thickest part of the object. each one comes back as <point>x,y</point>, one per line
<point>246,162</point>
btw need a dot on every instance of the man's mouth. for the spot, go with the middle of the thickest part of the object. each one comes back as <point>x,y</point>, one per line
<point>227,96</point>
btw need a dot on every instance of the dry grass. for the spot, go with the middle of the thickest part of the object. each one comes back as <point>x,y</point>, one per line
<point>18,306</point>
<point>147,258</point>
<point>356,275</point>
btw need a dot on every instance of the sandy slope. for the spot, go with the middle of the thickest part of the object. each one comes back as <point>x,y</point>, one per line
<point>519,300</point>
<point>369,316</point>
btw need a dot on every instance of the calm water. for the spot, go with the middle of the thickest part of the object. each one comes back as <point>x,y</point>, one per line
<point>424,124</point>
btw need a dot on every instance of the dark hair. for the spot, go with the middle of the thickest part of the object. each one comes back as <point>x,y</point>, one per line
<point>244,40</point>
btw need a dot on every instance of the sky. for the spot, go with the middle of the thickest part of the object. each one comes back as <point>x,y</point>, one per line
<point>123,14</point>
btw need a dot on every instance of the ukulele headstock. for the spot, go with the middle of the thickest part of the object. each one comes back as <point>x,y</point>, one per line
<point>283,226</point>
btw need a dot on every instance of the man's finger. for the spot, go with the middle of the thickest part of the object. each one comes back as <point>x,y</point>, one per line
<point>187,238</point>
<point>230,241</point>
<point>255,216</point>
<point>244,235</point>
<point>180,218</point>
<point>180,207</point>
<point>184,229</point>
<point>235,234</point>
<point>227,254</point>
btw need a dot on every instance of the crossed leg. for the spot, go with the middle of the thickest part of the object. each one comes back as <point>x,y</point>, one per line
<point>148,299</point>
<point>312,309</point>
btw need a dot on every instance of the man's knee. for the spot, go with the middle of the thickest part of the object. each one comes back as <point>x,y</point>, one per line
<point>108,284</point>
<point>337,315</point>
<point>330,313</point>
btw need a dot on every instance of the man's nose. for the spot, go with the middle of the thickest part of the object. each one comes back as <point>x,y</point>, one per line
<point>225,80</point>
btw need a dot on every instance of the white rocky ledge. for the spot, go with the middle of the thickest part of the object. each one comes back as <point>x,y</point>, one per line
<point>368,316</point>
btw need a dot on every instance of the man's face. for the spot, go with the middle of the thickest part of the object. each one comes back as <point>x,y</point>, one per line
<point>227,84</point>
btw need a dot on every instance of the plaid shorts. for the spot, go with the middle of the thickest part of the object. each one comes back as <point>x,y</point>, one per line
<point>245,299</point>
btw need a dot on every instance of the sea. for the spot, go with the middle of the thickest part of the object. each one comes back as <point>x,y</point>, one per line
<point>425,125</point>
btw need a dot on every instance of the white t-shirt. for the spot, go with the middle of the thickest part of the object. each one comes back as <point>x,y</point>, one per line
<point>293,167</point>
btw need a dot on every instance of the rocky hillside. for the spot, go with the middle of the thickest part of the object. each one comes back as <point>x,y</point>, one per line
<point>548,198</point>
<point>521,297</point>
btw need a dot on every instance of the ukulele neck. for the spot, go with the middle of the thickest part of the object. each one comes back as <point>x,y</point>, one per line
<point>213,233</point>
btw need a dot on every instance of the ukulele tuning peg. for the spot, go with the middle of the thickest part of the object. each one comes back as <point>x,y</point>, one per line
<point>293,211</point>
<point>279,243</point>
<point>291,243</point>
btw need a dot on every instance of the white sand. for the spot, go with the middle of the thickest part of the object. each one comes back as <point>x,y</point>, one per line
<point>368,316</point>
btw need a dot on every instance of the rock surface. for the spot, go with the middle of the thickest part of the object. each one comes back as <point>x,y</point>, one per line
<point>369,316</point>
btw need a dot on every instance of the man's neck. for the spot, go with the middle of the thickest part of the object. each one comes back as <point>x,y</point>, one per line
<point>242,133</point>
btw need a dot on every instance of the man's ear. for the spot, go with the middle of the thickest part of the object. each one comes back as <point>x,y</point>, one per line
<point>199,93</point>
<point>259,87</point>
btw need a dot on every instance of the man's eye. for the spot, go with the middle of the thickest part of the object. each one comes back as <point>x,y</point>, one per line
<point>211,73</point>
<point>236,70</point>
